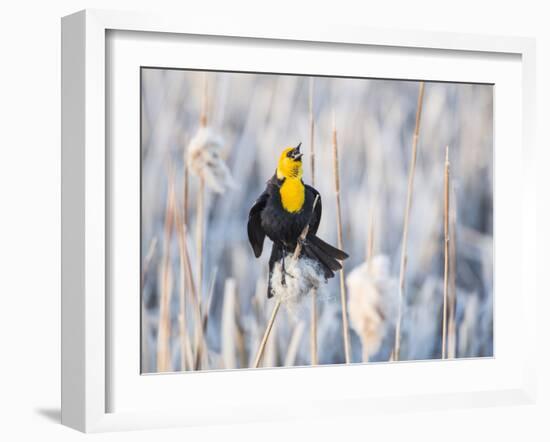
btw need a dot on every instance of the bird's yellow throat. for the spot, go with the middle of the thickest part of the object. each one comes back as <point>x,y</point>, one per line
<point>293,192</point>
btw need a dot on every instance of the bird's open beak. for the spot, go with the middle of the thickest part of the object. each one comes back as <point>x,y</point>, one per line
<point>296,154</point>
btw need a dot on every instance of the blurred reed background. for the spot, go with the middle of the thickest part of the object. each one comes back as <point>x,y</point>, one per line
<point>213,316</point>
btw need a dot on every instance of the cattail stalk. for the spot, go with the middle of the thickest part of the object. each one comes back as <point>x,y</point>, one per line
<point>311,133</point>
<point>206,313</point>
<point>277,306</point>
<point>451,338</point>
<point>185,194</point>
<point>343,297</point>
<point>185,354</point>
<point>203,121</point>
<point>186,351</point>
<point>313,321</point>
<point>265,337</point>
<point>446,249</point>
<point>370,239</point>
<point>199,337</point>
<point>201,349</point>
<point>189,285</point>
<point>163,336</point>
<point>403,264</point>
<point>304,233</point>
<point>200,235</point>
<point>201,196</point>
<point>185,346</point>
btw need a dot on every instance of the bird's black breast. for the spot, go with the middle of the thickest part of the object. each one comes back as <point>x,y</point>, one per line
<point>283,226</point>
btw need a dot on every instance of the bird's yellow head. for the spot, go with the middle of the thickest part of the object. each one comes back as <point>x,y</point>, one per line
<point>290,163</point>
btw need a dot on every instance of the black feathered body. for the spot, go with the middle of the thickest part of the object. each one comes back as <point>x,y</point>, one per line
<point>286,227</point>
<point>269,218</point>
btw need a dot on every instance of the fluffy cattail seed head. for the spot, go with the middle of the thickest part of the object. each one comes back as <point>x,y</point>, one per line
<point>372,297</point>
<point>204,157</point>
<point>302,275</point>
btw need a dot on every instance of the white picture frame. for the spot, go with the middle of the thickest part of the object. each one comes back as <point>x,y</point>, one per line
<point>86,350</point>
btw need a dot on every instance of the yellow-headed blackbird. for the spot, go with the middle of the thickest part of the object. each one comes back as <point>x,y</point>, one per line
<point>282,211</point>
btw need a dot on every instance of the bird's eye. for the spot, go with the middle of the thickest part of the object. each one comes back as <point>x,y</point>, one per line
<point>289,154</point>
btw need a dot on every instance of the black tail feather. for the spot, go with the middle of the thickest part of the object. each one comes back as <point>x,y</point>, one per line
<point>327,256</point>
<point>322,257</point>
<point>329,250</point>
<point>310,253</point>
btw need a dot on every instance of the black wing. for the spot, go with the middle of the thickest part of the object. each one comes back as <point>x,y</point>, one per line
<point>316,217</point>
<point>256,234</point>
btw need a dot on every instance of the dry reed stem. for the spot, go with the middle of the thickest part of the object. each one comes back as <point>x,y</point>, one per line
<point>186,351</point>
<point>451,338</point>
<point>209,300</point>
<point>403,264</point>
<point>163,335</point>
<point>313,320</point>
<point>181,224</point>
<point>199,338</point>
<point>190,285</point>
<point>200,355</point>
<point>185,346</point>
<point>295,256</point>
<point>200,235</point>
<point>370,239</point>
<point>203,121</point>
<point>446,248</point>
<point>311,133</point>
<point>343,298</point>
<point>185,194</point>
<point>266,334</point>
<point>304,233</point>
<point>313,332</point>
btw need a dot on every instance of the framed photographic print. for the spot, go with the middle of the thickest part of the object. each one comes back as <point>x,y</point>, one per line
<point>250,213</point>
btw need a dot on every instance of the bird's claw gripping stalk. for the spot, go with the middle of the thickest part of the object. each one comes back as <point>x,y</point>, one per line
<point>284,274</point>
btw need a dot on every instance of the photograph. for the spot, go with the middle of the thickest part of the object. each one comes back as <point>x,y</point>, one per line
<point>292,220</point>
